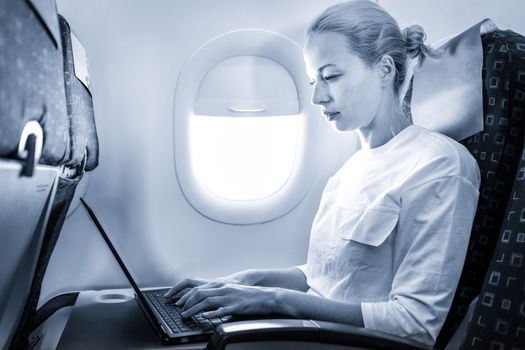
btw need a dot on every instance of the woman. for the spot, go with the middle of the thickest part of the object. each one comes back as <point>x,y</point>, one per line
<point>389,239</point>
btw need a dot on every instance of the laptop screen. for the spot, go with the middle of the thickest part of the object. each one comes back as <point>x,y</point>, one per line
<point>114,252</point>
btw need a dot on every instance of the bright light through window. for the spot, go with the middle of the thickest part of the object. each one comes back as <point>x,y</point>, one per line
<point>243,158</point>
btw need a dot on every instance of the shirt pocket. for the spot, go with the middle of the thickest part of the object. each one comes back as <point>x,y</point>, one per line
<point>370,227</point>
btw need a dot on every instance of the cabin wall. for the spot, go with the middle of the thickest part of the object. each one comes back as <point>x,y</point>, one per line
<point>136,50</point>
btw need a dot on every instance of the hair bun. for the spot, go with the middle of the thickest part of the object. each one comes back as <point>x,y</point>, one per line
<point>414,37</point>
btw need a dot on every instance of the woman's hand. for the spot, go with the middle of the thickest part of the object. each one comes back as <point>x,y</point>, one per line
<point>185,284</point>
<point>237,294</point>
<point>223,298</point>
<point>248,278</point>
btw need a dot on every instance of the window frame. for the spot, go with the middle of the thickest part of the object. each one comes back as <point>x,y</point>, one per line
<point>244,42</point>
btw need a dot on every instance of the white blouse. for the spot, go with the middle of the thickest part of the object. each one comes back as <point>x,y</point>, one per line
<point>392,231</point>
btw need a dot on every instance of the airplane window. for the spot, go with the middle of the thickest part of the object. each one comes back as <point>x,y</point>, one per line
<point>241,147</point>
<point>244,146</point>
<point>243,158</point>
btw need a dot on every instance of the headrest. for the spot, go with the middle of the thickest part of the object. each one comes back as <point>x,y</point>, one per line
<point>447,94</point>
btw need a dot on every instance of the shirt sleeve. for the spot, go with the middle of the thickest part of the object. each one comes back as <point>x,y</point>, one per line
<point>429,252</point>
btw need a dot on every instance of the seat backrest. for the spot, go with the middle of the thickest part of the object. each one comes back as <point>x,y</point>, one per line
<point>43,80</point>
<point>31,78</point>
<point>497,149</point>
<point>498,320</point>
<point>24,210</point>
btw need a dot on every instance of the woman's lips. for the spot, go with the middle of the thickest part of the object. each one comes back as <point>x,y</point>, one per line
<point>331,115</point>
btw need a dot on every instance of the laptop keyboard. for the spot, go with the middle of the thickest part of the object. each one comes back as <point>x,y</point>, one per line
<point>171,313</point>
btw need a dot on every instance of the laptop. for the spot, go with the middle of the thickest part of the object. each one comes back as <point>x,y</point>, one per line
<point>163,314</point>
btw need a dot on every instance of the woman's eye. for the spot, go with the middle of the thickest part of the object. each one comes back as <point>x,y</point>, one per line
<point>331,77</point>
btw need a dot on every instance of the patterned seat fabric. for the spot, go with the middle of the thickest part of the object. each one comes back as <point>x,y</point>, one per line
<point>498,321</point>
<point>497,150</point>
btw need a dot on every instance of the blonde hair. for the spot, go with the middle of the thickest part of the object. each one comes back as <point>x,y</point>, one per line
<point>372,33</point>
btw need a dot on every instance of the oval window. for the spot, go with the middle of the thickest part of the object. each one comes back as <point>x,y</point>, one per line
<point>240,128</point>
<point>240,148</point>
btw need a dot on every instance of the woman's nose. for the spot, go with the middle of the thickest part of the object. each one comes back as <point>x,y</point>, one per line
<point>320,94</point>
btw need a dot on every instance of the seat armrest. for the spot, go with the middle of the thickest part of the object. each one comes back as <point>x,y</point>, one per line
<point>261,330</point>
<point>307,331</point>
<point>340,333</point>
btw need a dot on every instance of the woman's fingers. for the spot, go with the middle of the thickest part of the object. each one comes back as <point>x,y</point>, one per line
<point>186,283</point>
<point>219,299</point>
<point>182,300</point>
<point>220,312</point>
<point>198,294</point>
<point>205,304</point>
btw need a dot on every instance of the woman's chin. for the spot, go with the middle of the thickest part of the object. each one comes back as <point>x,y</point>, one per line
<point>340,128</point>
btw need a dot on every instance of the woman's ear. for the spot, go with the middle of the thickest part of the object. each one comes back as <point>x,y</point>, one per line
<point>387,70</point>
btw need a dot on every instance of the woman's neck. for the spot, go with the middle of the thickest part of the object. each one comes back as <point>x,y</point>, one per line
<point>388,122</point>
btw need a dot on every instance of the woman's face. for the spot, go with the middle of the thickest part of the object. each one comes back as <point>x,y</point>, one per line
<point>347,89</point>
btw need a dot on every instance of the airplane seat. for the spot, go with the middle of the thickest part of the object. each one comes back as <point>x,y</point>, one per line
<point>497,149</point>
<point>494,262</point>
<point>26,193</point>
<point>499,316</point>
<point>44,97</point>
